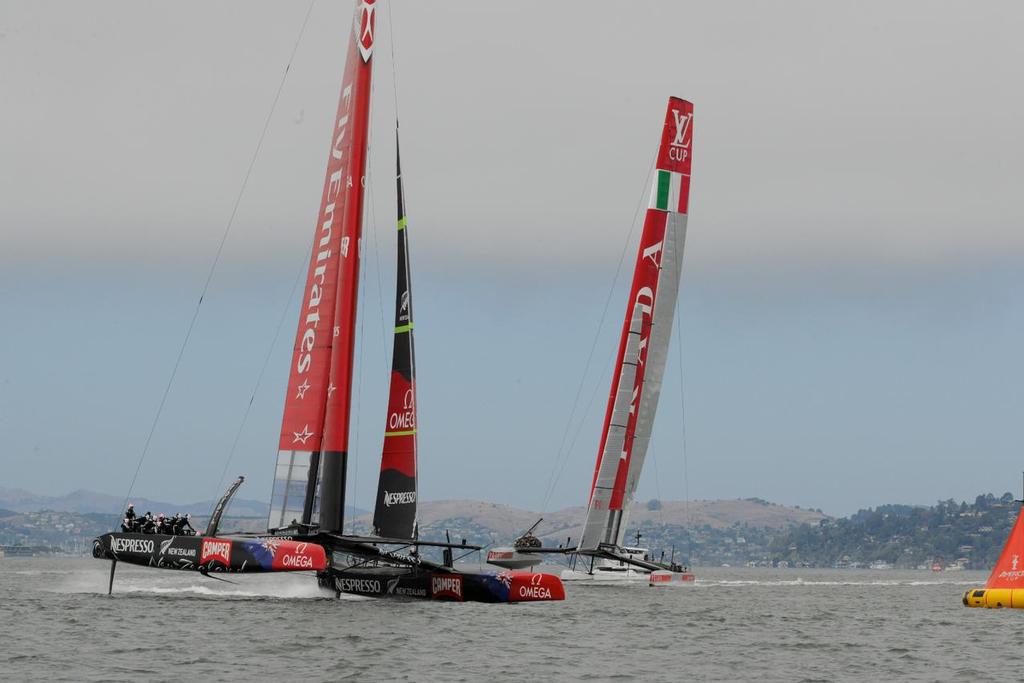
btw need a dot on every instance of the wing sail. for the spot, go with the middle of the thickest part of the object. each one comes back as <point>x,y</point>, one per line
<point>647,329</point>
<point>312,450</point>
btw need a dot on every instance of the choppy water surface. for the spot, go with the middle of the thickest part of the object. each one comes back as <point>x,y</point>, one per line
<point>56,623</point>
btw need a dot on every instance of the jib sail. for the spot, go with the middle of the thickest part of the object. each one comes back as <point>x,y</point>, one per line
<point>646,332</point>
<point>309,480</point>
<point>395,513</point>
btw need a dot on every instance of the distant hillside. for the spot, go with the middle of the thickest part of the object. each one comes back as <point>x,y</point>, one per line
<point>947,533</point>
<point>700,532</point>
<point>709,531</point>
<point>505,522</point>
<point>84,501</point>
<point>703,532</point>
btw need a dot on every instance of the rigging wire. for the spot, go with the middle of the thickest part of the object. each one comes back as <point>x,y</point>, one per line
<point>394,60</point>
<point>380,287</point>
<point>376,248</point>
<point>263,370</point>
<point>561,455</point>
<point>609,366</point>
<point>361,304</point>
<point>682,410</point>
<point>373,230</point>
<point>408,265</point>
<point>657,478</point>
<point>217,255</point>
<point>682,401</point>
<point>359,387</point>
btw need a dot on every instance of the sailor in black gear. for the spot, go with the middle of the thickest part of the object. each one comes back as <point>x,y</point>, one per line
<point>129,522</point>
<point>186,526</point>
<point>148,525</point>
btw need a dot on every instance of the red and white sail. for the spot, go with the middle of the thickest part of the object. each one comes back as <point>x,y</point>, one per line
<point>646,332</point>
<point>313,444</point>
<point>1008,571</point>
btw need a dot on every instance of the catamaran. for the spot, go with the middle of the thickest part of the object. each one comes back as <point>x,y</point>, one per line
<point>636,384</point>
<point>305,530</point>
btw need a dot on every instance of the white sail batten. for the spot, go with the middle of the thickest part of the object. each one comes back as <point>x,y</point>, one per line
<point>657,355</point>
<point>602,522</point>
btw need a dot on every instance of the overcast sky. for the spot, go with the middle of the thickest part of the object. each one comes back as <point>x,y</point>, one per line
<point>851,306</point>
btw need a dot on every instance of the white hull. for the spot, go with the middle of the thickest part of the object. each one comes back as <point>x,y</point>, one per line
<point>608,574</point>
<point>672,579</point>
<point>513,558</point>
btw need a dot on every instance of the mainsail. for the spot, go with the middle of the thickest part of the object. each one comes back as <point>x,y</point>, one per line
<point>309,480</point>
<point>395,513</point>
<point>643,348</point>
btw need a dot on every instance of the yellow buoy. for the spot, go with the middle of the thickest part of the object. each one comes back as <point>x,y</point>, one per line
<point>994,597</point>
<point>1005,585</point>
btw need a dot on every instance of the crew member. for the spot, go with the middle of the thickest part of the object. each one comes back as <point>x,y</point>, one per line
<point>128,523</point>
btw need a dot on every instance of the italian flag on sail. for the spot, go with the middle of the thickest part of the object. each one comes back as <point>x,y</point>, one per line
<point>670,192</point>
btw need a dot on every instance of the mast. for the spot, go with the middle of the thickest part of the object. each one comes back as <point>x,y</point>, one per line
<point>395,513</point>
<point>646,331</point>
<point>309,480</point>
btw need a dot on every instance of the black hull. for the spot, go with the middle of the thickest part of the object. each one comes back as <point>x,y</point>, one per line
<point>371,572</point>
<point>210,553</point>
<point>451,586</point>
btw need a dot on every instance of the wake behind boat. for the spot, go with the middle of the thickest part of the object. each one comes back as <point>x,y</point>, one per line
<point>306,523</point>
<point>636,384</point>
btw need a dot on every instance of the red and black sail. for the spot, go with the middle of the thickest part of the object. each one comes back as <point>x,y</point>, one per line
<point>395,513</point>
<point>309,480</point>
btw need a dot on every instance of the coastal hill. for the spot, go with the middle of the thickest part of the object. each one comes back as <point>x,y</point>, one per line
<point>71,521</point>
<point>83,501</point>
<point>703,532</point>
<point>505,522</point>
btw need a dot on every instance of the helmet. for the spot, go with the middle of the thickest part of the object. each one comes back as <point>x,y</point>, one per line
<point>131,505</point>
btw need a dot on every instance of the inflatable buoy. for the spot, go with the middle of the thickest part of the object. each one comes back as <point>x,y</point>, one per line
<point>994,597</point>
<point>1005,585</point>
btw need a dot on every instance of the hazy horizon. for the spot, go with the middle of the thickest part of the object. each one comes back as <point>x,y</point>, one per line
<point>850,307</point>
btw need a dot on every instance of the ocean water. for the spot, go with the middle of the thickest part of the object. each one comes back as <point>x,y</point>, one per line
<point>57,623</point>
